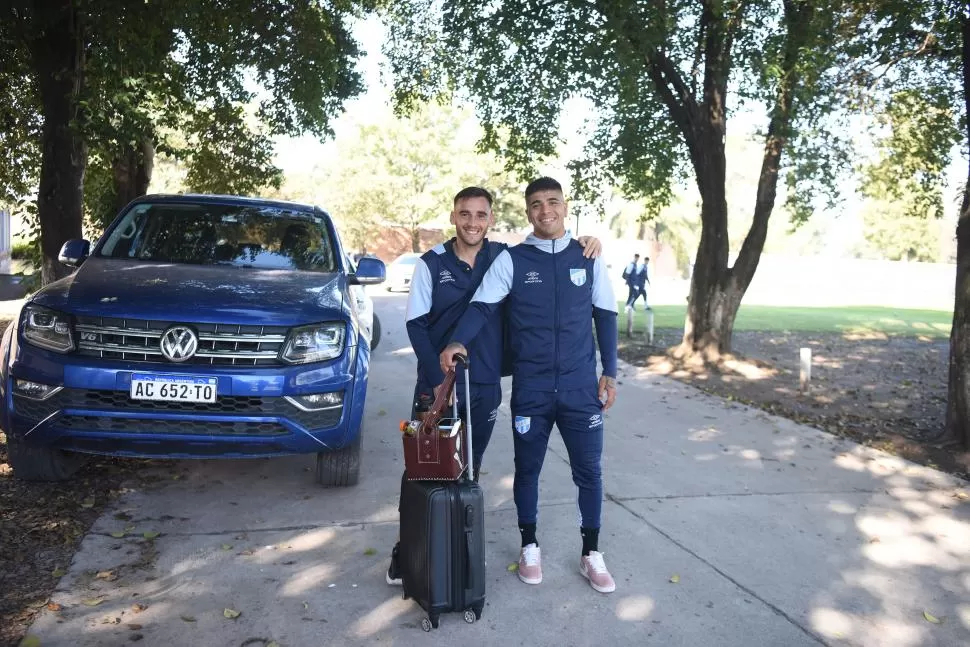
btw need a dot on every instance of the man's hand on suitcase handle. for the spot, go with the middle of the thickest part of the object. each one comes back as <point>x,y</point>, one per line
<point>447,358</point>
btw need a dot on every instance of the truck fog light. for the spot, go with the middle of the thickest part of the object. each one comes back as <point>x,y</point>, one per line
<point>34,390</point>
<point>317,401</point>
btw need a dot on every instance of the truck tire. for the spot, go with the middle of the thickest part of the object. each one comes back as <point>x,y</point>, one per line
<point>41,463</point>
<point>340,468</point>
<point>375,333</point>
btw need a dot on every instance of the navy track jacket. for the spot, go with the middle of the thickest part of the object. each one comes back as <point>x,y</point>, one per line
<point>441,287</point>
<point>551,292</point>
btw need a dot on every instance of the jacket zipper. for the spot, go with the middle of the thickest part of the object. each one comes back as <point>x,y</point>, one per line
<point>555,309</point>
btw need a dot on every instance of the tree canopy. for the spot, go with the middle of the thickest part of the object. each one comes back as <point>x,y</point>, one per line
<point>406,171</point>
<point>665,78</point>
<point>109,80</point>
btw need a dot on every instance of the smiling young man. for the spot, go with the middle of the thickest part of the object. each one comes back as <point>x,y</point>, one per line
<point>444,280</point>
<point>550,294</point>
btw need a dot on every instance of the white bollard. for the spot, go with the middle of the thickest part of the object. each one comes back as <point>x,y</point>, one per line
<point>650,325</point>
<point>805,368</point>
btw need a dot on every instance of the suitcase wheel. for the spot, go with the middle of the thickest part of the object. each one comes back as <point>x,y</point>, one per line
<point>470,616</point>
<point>426,624</point>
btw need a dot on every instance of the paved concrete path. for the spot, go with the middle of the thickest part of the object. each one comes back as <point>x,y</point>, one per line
<point>778,534</point>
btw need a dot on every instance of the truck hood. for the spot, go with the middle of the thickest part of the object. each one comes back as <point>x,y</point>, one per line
<point>198,293</point>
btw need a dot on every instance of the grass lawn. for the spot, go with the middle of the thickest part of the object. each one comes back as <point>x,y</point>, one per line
<point>853,319</point>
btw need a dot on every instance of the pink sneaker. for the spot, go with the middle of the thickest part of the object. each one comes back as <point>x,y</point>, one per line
<point>530,568</point>
<point>593,568</point>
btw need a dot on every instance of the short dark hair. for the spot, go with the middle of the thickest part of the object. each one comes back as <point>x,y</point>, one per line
<point>474,192</point>
<point>542,184</point>
<point>636,256</point>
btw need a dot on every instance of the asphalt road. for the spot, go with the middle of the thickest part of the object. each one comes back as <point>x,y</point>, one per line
<point>723,526</point>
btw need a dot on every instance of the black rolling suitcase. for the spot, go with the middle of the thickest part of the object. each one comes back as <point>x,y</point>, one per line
<point>442,551</point>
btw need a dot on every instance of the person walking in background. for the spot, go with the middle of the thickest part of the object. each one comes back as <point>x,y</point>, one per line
<point>640,280</point>
<point>630,277</point>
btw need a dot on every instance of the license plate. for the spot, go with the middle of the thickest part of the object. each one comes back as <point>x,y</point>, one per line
<point>173,388</point>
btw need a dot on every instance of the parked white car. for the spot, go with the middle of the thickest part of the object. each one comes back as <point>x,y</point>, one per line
<point>400,270</point>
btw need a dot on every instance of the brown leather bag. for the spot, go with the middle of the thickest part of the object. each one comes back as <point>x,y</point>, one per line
<point>432,447</point>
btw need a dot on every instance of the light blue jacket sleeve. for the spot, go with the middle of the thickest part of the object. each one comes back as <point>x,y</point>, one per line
<point>496,285</point>
<point>603,296</point>
<point>419,298</point>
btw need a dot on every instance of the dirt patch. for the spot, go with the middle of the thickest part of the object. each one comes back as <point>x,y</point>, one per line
<point>885,392</point>
<point>42,525</point>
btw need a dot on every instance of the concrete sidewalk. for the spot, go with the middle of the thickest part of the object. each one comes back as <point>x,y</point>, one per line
<point>778,535</point>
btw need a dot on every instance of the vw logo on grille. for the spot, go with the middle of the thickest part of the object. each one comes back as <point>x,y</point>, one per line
<point>179,343</point>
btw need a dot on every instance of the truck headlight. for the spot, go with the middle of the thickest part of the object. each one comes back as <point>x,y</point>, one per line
<point>48,329</point>
<point>314,343</point>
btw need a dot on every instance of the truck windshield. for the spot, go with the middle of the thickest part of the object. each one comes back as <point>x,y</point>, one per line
<point>246,236</point>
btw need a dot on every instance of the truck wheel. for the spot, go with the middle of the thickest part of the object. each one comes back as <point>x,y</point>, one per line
<point>340,468</point>
<point>41,463</point>
<point>375,333</point>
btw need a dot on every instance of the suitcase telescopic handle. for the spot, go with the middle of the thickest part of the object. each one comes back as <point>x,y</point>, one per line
<point>462,359</point>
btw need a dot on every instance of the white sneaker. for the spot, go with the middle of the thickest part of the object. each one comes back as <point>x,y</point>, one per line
<point>530,566</point>
<point>593,568</point>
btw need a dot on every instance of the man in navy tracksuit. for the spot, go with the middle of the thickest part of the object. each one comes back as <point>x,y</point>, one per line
<point>444,280</point>
<point>550,292</point>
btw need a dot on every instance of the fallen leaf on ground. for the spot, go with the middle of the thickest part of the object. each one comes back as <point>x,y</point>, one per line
<point>30,641</point>
<point>106,575</point>
<point>227,547</point>
<point>53,606</point>
<point>92,602</point>
<point>109,620</point>
<point>150,534</point>
<point>139,607</point>
<point>675,578</point>
<point>931,618</point>
<point>118,534</point>
<point>306,605</point>
<point>370,551</point>
<point>59,572</point>
<point>87,503</point>
<point>188,618</point>
<point>962,495</point>
<point>513,567</point>
<point>232,614</point>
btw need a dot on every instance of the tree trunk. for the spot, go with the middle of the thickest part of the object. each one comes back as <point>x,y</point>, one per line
<point>58,52</point>
<point>642,230</point>
<point>713,301</point>
<point>716,290</point>
<point>132,171</point>
<point>958,391</point>
<point>416,239</point>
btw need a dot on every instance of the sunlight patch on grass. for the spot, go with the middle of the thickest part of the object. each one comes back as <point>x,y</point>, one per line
<point>857,321</point>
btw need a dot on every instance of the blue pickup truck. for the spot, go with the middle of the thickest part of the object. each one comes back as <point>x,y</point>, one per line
<point>198,326</point>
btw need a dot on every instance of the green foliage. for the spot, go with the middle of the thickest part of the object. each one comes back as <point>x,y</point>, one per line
<point>406,171</point>
<point>892,232</point>
<point>225,155</point>
<point>151,70</point>
<point>645,68</point>
<point>912,158</point>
